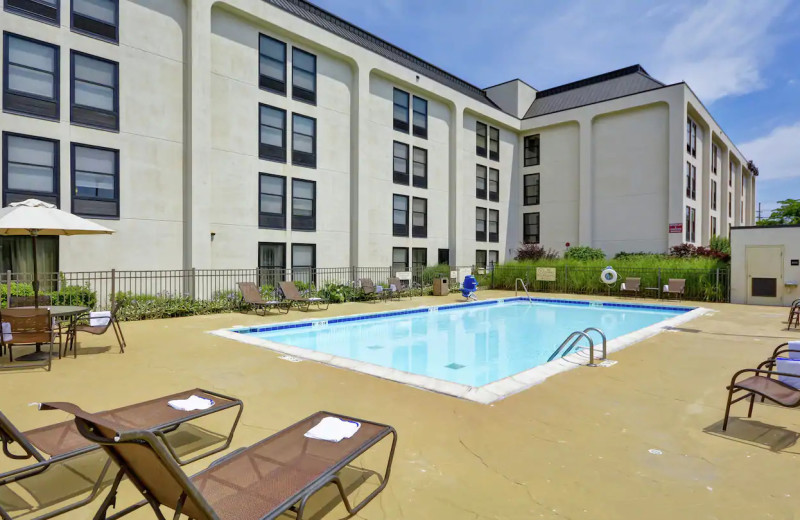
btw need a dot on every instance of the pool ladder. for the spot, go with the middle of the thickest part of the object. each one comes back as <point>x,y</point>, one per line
<point>519,282</point>
<point>573,339</point>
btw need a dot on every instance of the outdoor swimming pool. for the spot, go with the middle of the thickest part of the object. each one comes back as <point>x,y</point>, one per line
<point>470,345</point>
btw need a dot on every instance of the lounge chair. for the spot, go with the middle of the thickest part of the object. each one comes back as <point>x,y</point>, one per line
<point>98,324</point>
<point>400,289</point>
<point>60,444</point>
<point>675,288</point>
<point>372,291</point>
<point>27,326</point>
<point>293,296</point>
<point>262,481</point>
<point>631,286</point>
<point>252,297</point>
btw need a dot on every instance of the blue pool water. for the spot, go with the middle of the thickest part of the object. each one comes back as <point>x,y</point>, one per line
<point>468,344</point>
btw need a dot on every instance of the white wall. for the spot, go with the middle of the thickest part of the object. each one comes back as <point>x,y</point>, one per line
<point>741,238</point>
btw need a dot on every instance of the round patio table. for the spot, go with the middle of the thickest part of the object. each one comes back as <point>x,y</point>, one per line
<point>56,311</point>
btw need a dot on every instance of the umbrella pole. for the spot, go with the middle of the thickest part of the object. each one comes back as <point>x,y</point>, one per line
<point>35,274</point>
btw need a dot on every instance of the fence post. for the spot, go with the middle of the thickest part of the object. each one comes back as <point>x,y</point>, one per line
<point>113,287</point>
<point>192,283</point>
<point>566,278</point>
<point>491,284</point>
<point>659,283</point>
<point>8,288</point>
<point>718,292</point>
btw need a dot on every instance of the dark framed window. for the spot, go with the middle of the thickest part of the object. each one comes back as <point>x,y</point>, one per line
<point>713,195</point>
<point>531,147</point>
<point>400,215</point>
<point>730,204</point>
<point>480,181</point>
<point>691,137</point>
<point>271,201</point>
<point>691,181</point>
<point>30,168</point>
<point>690,224</point>
<point>30,77</point>
<point>714,158</point>
<point>304,205</point>
<point>494,143</point>
<point>304,76</point>
<point>419,217</point>
<point>694,223</point>
<point>272,133</point>
<point>16,255</point>
<point>480,258</point>
<point>420,117</point>
<point>419,259</point>
<point>44,10</point>
<point>530,191</point>
<point>400,163</point>
<point>494,225</point>
<point>494,184</point>
<point>730,173</point>
<point>94,91</point>
<point>480,138</point>
<point>694,182</point>
<point>480,224</point>
<point>96,18</point>
<point>304,263</point>
<point>304,141</point>
<point>420,169</point>
<point>443,257</point>
<point>95,181</point>
<point>493,259</point>
<point>399,259</point>
<point>400,99</point>
<point>271,263</point>
<point>530,228</point>
<point>271,64</point>
<point>713,226</point>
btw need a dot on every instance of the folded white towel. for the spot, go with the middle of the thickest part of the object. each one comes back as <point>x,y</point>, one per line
<point>794,345</point>
<point>99,318</point>
<point>392,287</point>
<point>622,287</point>
<point>333,429</point>
<point>378,288</point>
<point>7,332</point>
<point>791,366</point>
<point>191,404</point>
<point>666,288</point>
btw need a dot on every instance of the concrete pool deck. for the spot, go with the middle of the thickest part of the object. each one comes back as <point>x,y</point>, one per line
<point>640,439</point>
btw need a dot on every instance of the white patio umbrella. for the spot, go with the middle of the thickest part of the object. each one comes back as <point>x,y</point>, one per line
<point>34,218</point>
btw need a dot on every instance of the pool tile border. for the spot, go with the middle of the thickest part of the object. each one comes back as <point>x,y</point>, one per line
<point>485,394</point>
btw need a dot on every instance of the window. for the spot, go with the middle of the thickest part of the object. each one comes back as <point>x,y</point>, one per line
<point>271,64</point>
<point>95,91</point>
<point>272,202</point>
<point>480,139</point>
<point>493,258</point>
<point>531,150</point>
<point>494,223</point>
<point>480,181</point>
<point>713,195</point>
<point>271,263</point>
<point>304,76</point>
<point>272,133</point>
<point>399,259</point>
<point>304,205</point>
<point>420,168</point>
<point>420,117</point>
<point>419,259</point>
<point>690,224</point>
<point>95,181</point>
<point>400,163</point>
<point>691,186</point>
<point>741,212</point>
<point>691,137</point>
<point>730,173</point>
<point>16,255</point>
<point>713,226</point>
<point>400,110</point>
<point>30,169</point>
<point>419,218</point>
<point>45,10</point>
<point>693,224</point>
<point>98,18</point>
<point>400,216</point>
<point>494,185</point>
<point>714,158</point>
<point>480,259</point>
<point>443,257</point>
<point>304,262</point>
<point>480,224</point>
<point>530,192</point>
<point>30,77</point>
<point>304,141</point>
<point>494,143</point>
<point>730,204</point>
<point>530,228</point>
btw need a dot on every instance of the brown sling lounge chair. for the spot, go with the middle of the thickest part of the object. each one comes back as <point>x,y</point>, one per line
<point>293,296</point>
<point>631,286</point>
<point>58,444</point>
<point>262,481</point>
<point>252,297</point>
<point>675,288</point>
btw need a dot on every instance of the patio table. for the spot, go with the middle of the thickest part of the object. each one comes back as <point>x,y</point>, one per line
<point>654,290</point>
<point>62,312</point>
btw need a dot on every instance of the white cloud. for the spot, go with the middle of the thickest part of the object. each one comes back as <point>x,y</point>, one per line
<point>776,154</point>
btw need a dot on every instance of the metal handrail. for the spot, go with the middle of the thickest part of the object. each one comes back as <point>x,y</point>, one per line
<point>602,335</point>
<point>575,337</point>
<point>516,286</point>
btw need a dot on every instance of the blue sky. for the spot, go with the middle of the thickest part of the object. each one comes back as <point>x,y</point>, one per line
<point>742,58</point>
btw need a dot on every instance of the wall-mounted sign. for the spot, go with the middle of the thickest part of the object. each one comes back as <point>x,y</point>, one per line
<point>676,228</point>
<point>403,275</point>
<point>546,274</point>
<point>795,261</point>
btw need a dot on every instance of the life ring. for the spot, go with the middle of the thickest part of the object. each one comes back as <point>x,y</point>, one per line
<point>608,276</point>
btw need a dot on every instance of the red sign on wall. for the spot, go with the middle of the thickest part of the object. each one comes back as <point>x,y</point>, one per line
<point>676,228</point>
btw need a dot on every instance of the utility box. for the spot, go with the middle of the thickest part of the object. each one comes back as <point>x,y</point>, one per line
<point>441,287</point>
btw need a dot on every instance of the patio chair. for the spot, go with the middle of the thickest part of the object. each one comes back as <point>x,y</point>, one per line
<point>275,475</point>
<point>27,326</point>
<point>292,294</point>
<point>675,288</point>
<point>631,286</point>
<point>60,445</point>
<point>370,290</point>
<point>399,290</point>
<point>252,297</point>
<point>794,314</point>
<point>98,323</point>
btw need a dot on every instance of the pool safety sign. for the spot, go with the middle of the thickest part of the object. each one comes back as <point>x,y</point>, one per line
<point>676,228</point>
<point>545,274</point>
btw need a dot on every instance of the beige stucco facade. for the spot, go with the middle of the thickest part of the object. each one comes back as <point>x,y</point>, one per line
<point>765,265</point>
<point>612,173</point>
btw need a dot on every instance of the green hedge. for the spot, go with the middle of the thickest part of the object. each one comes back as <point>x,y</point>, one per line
<point>68,295</point>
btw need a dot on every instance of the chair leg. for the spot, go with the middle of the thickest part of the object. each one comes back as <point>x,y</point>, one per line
<point>120,338</point>
<point>727,410</point>
<point>752,402</point>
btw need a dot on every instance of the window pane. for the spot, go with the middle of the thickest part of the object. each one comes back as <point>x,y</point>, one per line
<point>401,98</point>
<point>270,184</point>
<point>420,155</point>
<point>96,96</point>
<point>303,143</point>
<point>303,189</point>
<point>302,255</point>
<point>95,160</point>
<point>31,81</point>
<point>96,71</point>
<point>421,106</point>
<point>420,205</point>
<point>271,204</point>
<point>273,49</point>
<point>399,255</point>
<point>401,150</point>
<point>30,178</point>
<point>95,185</point>
<point>103,10</point>
<point>271,136</point>
<point>401,113</point>
<point>419,170</point>
<point>270,255</point>
<point>303,79</point>
<point>303,60</point>
<point>31,54</point>
<point>32,151</point>
<point>400,203</point>
<point>303,125</point>
<point>272,68</point>
<point>271,117</point>
<point>400,165</point>
<point>303,207</point>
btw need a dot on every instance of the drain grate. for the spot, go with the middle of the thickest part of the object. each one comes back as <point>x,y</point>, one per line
<point>454,366</point>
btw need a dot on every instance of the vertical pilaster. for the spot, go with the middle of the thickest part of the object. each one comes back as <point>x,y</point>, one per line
<point>585,181</point>
<point>457,228</point>
<point>703,219</point>
<point>359,150</point>
<point>676,197</point>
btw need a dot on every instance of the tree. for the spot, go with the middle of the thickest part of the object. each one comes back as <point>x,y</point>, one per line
<point>787,213</point>
<point>752,167</point>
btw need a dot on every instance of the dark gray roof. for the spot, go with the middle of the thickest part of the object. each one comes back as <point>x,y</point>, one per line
<point>330,22</point>
<point>615,84</point>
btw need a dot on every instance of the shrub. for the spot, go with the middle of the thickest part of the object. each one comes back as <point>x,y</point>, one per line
<point>721,244</point>
<point>622,255</point>
<point>690,251</point>
<point>683,251</point>
<point>433,272</point>
<point>584,253</point>
<point>534,252</point>
<point>146,307</point>
<point>68,295</point>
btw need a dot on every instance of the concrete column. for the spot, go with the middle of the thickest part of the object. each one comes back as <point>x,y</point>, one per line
<point>359,151</point>
<point>457,227</point>
<point>197,179</point>
<point>585,207</point>
<point>722,190</point>
<point>703,220</point>
<point>676,197</point>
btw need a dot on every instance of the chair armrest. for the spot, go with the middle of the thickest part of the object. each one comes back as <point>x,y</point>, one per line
<point>757,371</point>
